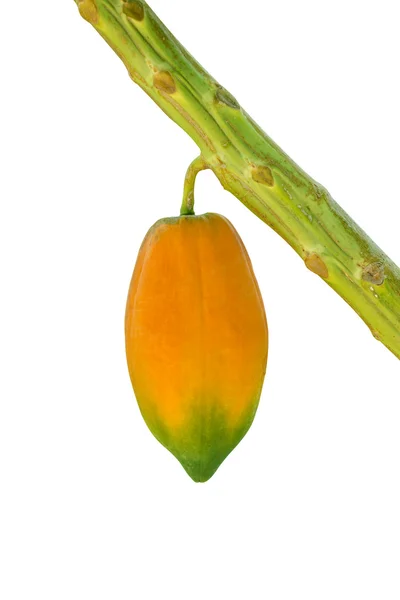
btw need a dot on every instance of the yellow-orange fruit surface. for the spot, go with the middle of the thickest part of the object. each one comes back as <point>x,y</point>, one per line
<point>196,339</point>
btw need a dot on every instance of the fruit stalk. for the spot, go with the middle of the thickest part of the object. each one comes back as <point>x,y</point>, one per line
<point>251,166</point>
<point>199,164</point>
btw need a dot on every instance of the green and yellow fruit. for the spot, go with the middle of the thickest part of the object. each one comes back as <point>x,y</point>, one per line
<point>196,339</point>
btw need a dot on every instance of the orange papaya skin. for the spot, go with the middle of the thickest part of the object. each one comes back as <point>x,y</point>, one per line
<point>196,339</point>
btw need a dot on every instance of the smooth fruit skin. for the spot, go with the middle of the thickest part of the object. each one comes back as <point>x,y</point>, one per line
<point>196,339</point>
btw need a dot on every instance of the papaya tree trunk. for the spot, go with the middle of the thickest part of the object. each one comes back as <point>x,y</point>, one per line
<point>251,166</point>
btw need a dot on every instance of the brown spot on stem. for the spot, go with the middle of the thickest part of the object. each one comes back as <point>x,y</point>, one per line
<point>164,82</point>
<point>224,97</point>
<point>88,11</point>
<point>316,265</point>
<point>263,175</point>
<point>133,9</point>
<point>374,273</point>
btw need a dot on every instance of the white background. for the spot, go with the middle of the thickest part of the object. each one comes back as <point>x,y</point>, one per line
<point>91,506</point>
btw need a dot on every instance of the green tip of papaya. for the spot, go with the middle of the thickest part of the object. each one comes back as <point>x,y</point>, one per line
<point>199,474</point>
<point>204,443</point>
<point>201,470</point>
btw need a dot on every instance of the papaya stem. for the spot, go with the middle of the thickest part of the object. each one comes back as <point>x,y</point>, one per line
<point>251,166</point>
<point>199,164</point>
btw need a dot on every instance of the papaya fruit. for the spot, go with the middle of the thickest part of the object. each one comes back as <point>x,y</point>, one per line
<point>196,339</point>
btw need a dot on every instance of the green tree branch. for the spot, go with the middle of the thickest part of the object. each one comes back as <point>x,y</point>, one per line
<point>251,166</point>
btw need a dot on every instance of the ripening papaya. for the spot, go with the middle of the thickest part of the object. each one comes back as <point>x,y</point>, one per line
<point>196,339</point>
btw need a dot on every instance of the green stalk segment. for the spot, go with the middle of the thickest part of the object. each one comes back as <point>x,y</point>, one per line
<point>251,166</point>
